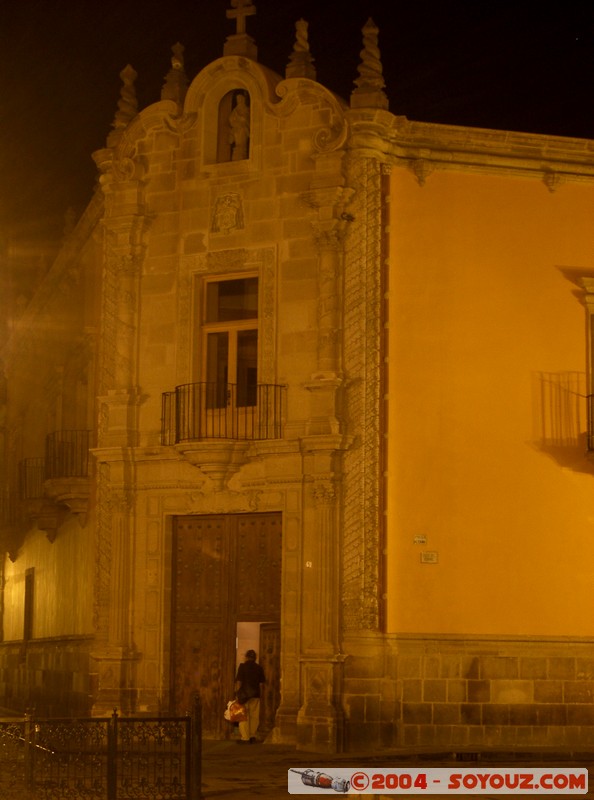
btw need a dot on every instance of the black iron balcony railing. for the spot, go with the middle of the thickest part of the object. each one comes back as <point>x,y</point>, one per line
<point>198,411</point>
<point>67,454</point>
<point>31,477</point>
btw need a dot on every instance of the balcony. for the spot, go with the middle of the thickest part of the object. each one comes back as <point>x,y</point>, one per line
<point>67,454</point>
<point>212,424</point>
<point>67,470</point>
<point>203,411</point>
<point>31,478</point>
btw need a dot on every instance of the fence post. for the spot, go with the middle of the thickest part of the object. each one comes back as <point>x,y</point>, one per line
<point>196,727</point>
<point>29,747</point>
<point>112,756</point>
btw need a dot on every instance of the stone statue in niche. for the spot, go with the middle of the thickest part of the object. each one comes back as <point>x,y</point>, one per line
<point>228,214</point>
<point>239,123</point>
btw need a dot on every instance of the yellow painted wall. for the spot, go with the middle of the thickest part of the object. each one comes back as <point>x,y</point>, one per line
<point>63,591</point>
<point>487,357</point>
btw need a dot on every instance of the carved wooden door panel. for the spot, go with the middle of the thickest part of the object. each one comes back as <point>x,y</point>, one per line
<point>258,572</point>
<point>202,650</point>
<point>226,569</point>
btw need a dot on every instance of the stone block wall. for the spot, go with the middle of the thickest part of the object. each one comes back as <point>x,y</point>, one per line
<point>371,694</point>
<point>48,677</point>
<point>460,692</point>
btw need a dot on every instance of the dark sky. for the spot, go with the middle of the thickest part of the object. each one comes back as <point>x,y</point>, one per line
<point>522,66</point>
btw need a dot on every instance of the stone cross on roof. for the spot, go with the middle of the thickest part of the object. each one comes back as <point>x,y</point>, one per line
<point>240,43</point>
<point>241,9</point>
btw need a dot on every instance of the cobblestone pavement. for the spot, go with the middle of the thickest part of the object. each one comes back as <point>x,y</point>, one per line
<point>260,771</point>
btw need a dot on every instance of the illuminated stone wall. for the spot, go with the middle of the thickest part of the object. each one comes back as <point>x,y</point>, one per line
<point>419,306</point>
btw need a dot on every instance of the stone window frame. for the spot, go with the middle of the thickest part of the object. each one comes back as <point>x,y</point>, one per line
<point>262,263</point>
<point>203,327</point>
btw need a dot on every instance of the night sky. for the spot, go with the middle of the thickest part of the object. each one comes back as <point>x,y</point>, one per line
<point>521,66</point>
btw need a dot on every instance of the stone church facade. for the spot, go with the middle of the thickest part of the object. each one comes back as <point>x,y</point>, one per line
<point>227,424</point>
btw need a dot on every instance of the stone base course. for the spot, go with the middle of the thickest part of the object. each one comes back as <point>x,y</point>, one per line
<point>464,692</point>
<point>48,677</point>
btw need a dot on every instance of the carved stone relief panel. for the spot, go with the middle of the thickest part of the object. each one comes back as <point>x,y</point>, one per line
<point>227,215</point>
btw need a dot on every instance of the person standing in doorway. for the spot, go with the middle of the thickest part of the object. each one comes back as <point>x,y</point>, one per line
<point>250,676</point>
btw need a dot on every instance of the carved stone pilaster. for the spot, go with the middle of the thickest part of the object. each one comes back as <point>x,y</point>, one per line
<point>118,414</point>
<point>319,720</point>
<point>125,226</point>
<point>329,243</point>
<point>115,654</point>
<point>124,244</point>
<point>120,505</point>
<point>363,303</point>
<point>320,567</point>
<point>329,221</point>
<point>323,418</point>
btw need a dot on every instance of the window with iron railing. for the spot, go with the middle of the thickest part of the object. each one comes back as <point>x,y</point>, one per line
<point>190,413</point>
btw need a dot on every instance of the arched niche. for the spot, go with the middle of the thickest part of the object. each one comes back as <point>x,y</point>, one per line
<point>214,94</point>
<point>234,126</point>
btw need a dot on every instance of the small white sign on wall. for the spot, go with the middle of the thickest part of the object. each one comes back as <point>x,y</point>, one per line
<point>429,557</point>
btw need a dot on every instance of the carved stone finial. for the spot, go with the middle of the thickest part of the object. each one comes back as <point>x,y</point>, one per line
<point>370,83</point>
<point>240,43</point>
<point>176,80</point>
<point>552,180</point>
<point>421,168</point>
<point>301,61</point>
<point>127,105</point>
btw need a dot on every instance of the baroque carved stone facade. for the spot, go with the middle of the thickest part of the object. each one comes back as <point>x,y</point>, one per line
<point>272,335</point>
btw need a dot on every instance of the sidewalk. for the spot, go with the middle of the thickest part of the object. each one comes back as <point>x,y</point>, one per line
<point>260,770</point>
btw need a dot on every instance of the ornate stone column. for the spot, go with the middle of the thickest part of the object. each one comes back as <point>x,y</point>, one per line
<point>320,718</point>
<point>124,229</point>
<point>115,656</point>
<point>326,380</point>
<point>363,303</point>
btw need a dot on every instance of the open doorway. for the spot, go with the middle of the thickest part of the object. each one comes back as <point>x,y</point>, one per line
<point>264,638</point>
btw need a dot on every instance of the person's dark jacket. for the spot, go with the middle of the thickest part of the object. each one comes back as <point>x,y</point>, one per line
<point>250,674</point>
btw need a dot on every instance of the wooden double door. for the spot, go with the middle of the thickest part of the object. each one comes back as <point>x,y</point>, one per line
<point>226,569</point>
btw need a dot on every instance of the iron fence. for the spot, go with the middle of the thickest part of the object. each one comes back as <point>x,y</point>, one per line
<point>198,411</point>
<point>13,746</point>
<point>111,758</point>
